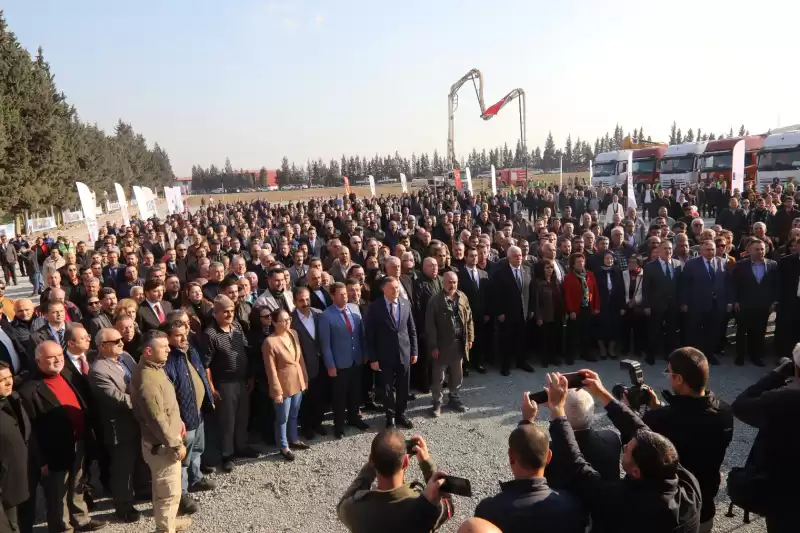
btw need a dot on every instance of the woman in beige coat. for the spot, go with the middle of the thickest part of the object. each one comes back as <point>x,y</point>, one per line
<point>286,373</point>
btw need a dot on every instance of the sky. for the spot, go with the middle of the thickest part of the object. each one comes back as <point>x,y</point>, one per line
<point>256,80</point>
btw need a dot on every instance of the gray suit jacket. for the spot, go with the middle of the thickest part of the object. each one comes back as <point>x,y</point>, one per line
<point>113,400</point>
<point>267,301</point>
<point>312,353</point>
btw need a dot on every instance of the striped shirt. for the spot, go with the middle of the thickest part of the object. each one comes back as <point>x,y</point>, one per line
<point>226,353</point>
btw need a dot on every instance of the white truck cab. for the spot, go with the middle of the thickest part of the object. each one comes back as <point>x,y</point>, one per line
<point>779,160</point>
<point>610,168</point>
<point>679,166</point>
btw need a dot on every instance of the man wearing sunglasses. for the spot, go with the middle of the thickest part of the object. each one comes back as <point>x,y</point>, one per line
<point>109,378</point>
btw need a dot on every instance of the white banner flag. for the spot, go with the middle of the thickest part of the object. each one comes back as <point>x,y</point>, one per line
<point>89,208</point>
<point>371,179</point>
<point>737,168</point>
<point>560,173</point>
<point>591,172</point>
<point>469,181</point>
<point>403,183</point>
<point>631,191</point>
<point>142,202</point>
<point>494,181</point>
<point>123,204</point>
<point>151,201</point>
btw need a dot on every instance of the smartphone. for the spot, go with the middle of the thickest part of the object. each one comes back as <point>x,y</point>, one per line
<point>460,486</point>
<point>410,443</point>
<point>574,381</point>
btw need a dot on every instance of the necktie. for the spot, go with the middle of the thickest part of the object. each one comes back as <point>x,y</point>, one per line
<point>711,272</point>
<point>518,278</point>
<point>391,309</point>
<point>475,277</point>
<point>159,313</point>
<point>61,338</point>
<point>84,364</point>
<point>347,321</point>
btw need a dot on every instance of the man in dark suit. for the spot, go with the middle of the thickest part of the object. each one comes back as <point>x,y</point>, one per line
<point>474,283</point>
<point>59,418</point>
<point>153,310</point>
<point>786,334</point>
<point>15,434</point>
<point>705,297</point>
<point>755,283</point>
<point>305,321</point>
<point>513,305</point>
<point>8,259</point>
<point>392,349</point>
<point>14,354</point>
<point>320,299</point>
<point>315,243</point>
<point>53,330</point>
<point>660,301</point>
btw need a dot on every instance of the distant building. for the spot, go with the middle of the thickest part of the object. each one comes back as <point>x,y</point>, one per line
<point>185,184</point>
<point>272,179</point>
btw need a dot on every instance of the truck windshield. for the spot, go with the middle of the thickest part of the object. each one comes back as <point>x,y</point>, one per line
<point>677,165</point>
<point>720,161</point>
<point>605,169</point>
<point>644,166</point>
<point>783,160</point>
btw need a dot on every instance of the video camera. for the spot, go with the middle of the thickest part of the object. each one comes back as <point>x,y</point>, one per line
<point>638,393</point>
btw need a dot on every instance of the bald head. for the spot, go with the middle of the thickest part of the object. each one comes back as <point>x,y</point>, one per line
<point>23,309</point>
<point>56,295</point>
<point>478,525</point>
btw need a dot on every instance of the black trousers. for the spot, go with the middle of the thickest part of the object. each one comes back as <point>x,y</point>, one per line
<point>663,326</point>
<point>703,329</point>
<point>787,334</point>
<point>751,328</point>
<point>513,341</point>
<point>395,383</point>
<point>346,388</point>
<point>233,413</point>
<point>312,410</point>
<point>551,340</point>
<point>580,335</point>
<point>370,387</point>
<point>262,417</point>
<point>634,331</point>
<point>10,272</point>
<point>482,343</point>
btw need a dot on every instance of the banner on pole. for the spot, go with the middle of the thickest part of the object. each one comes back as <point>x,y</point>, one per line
<point>591,172</point>
<point>737,168</point>
<point>469,180</point>
<point>631,193</point>
<point>457,179</point>
<point>143,203</point>
<point>89,206</point>
<point>494,181</point>
<point>561,173</point>
<point>346,185</point>
<point>123,204</point>
<point>403,183</point>
<point>371,179</point>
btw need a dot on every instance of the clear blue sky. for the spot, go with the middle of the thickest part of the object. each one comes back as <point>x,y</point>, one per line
<point>255,80</point>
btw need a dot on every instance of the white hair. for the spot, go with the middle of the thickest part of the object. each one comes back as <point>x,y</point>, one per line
<point>514,250</point>
<point>760,225</point>
<point>393,260</point>
<point>579,408</point>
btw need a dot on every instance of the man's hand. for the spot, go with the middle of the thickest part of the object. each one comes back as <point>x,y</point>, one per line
<point>501,318</point>
<point>652,398</point>
<point>331,372</point>
<point>435,353</point>
<point>684,308</point>
<point>573,316</point>
<point>216,395</point>
<point>278,399</point>
<point>557,387</point>
<point>529,408</point>
<point>647,311</point>
<point>421,449</point>
<point>376,366</point>
<point>414,360</point>
<point>592,383</point>
<point>432,490</point>
<point>183,430</point>
<point>181,454</point>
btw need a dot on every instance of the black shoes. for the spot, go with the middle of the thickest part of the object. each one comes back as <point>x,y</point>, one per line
<point>203,485</point>
<point>411,396</point>
<point>371,406</point>
<point>505,372</point>
<point>481,369</point>
<point>288,455</point>
<point>247,453</point>
<point>92,525</point>
<point>320,430</point>
<point>187,505</point>
<point>206,469</point>
<point>390,423</point>
<point>403,421</point>
<point>526,367</point>
<point>130,516</point>
<point>227,465</point>
<point>360,424</point>
<point>298,445</point>
<point>338,433</point>
<point>466,372</point>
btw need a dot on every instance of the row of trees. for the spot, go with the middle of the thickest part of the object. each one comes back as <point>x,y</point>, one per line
<point>676,136</point>
<point>45,148</point>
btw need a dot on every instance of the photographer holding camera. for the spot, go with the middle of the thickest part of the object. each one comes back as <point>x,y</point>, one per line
<point>657,494</point>
<point>395,506</point>
<point>768,482</point>
<point>528,499</point>
<point>696,422</point>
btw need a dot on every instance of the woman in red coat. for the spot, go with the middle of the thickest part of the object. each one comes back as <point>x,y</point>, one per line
<point>581,301</point>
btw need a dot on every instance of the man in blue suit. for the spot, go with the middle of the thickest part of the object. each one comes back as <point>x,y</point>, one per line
<point>392,348</point>
<point>341,334</point>
<point>706,296</point>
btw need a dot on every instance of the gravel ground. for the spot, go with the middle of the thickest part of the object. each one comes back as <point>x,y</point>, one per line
<point>270,495</point>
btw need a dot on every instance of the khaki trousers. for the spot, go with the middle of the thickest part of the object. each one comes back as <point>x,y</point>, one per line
<point>165,471</point>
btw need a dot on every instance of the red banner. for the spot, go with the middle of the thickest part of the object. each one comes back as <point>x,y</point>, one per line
<point>346,185</point>
<point>457,178</point>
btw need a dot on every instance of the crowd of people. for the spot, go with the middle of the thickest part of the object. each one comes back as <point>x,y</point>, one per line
<point>159,351</point>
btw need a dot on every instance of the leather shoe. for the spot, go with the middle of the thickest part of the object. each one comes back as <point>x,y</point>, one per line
<point>372,406</point>
<point>227,465</point>
<point>288,455</point>
<point>403,421</point>
<point>130,516</point>
<point>247,453</point>
<point>204,485</point>
<point>298,445</point>
<point>505,372</point>
<point>481,369</point>
<point>360,424</point>
<point>320,430</point>
<point>92,525</point>
<point>389,423</point>
<point>466,372</point>
<point>338,433</point>
<point>187,505</point>
<point>526,367</point>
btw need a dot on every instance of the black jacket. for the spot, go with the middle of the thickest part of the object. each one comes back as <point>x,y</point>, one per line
<point>525,505</point>
<point>701,429</point>
<point>630,505</point>
<point>772,405</point>
<point>15,433</point>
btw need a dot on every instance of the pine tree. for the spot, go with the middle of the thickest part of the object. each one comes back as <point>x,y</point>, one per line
<point>742,131</point>
<point>730,133</point>
<point>549,154</point>
<point>568,152</point>
<point>673,134</point>
<point>678,137</point>
<point>689,136</point>
<point>700,134</point>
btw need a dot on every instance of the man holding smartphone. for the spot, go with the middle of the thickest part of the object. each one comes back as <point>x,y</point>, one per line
<point>396,506</point>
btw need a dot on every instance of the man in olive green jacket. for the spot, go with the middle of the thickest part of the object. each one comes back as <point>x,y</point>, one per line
<point>394,506</point>
<point>156,408</point>
<point>449,335</point>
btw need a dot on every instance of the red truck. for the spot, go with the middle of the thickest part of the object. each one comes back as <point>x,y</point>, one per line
<point>647,165</point>
<point>716,161</point>
<point>512,176</point>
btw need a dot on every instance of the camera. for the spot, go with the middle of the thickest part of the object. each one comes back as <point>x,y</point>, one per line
<point>638,393</point>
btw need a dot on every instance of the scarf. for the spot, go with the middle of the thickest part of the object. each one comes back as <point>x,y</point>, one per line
<point>584,288</point>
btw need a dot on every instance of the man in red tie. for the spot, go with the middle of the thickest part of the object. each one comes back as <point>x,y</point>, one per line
<point>343,349</point>
<point>153,310</point>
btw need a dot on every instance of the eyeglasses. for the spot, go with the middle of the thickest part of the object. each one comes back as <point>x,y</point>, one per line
<point>94,303</point>
<point>115,341</point>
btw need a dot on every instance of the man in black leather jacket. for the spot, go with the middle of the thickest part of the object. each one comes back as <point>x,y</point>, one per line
<point>657,494</point>
<point>696,422</point>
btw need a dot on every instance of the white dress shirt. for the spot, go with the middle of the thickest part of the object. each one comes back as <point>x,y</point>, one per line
<point>308,322</point>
